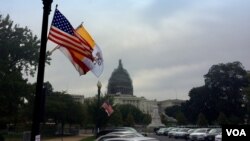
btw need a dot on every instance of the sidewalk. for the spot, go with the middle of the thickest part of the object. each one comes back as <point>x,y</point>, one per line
<point>72,138</point>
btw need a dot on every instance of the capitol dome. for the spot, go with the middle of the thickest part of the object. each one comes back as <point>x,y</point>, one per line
<point>120,82</point>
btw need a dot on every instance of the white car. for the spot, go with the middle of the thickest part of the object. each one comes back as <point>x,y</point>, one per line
<point>172,132</point>
<point>199,134</point>
<point>133,139</point>
<point>218,137</point>
<point>161,131</point>
<point>181,133</point>
<point>121,134</point>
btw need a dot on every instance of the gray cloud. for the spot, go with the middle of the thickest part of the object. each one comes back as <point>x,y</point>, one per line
<point>166,46</point>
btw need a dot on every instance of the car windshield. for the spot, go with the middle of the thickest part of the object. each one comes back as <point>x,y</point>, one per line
<point>190,130</point>
<point>215,131</point>
<point>183,130</point>
<point>201,131</point>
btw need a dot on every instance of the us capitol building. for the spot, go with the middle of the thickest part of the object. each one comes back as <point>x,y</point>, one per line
<point>120,87</point>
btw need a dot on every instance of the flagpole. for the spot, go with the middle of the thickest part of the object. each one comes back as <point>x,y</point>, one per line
<point>39,96</point>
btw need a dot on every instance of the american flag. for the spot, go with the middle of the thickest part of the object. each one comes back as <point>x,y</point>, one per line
<point>63,34</point>
<point>108,108</point>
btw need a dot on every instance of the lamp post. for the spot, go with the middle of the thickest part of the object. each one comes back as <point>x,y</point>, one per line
<point>39,96</point>
<point>99,86</point>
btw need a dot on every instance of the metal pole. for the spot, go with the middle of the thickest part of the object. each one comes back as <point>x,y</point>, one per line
<point>99,85</point>
<point>37,114</point>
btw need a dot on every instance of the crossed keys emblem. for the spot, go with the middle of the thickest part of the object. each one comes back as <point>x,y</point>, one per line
<point>98,59</point>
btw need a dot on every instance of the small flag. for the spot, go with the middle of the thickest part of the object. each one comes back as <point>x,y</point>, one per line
<point>108,108</point>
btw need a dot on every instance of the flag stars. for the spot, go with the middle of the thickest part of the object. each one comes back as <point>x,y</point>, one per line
<point>62,23</point>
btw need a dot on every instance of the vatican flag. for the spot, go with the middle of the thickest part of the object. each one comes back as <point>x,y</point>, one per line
<point>95,66</point>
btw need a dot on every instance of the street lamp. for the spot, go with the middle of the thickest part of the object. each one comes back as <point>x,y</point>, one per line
<point>39,96</point>
<point>99,86</point>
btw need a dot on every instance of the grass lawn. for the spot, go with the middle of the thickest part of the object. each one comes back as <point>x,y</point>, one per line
<point>92,138</point>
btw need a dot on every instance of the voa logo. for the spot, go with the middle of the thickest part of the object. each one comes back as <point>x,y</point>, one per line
<point>236,132</point>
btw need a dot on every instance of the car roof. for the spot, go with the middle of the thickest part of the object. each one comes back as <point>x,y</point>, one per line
<point>111,135</point>
<point>133,139</point>
<point>106,131</point>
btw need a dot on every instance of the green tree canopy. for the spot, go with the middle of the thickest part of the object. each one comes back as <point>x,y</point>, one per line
<point>222,119</point>
<point>227,81</point>
<point>129,121</point>
<point>202,121</point>
<point>246,92</point>
<point>222,92</point>
<point>19,48</point>
<point>138,116</point>
<point>181,119</point>
<point>173,110</point>
<point>19,53</point>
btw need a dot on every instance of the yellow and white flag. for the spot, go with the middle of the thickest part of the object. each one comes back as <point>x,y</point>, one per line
<point>95,66</point>
<point>81,62</point>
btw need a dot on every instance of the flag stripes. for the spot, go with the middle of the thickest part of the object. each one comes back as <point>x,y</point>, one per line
<point>68,41</point>
<point>62,33</point>
<point>77,45</point>
<point>108,108</point>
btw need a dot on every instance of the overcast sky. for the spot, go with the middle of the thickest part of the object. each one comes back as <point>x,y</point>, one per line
<point>165,45</point>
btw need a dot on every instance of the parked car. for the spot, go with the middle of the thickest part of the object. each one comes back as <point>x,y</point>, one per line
<point>122,134</point>
<point>119,129</point>
<point>181,133</point>
<point>218,137</point>
<point>126,128</point>
<point>212,133</point>
<point>172,131</point>
<point>127,133</point>
<point>167,130</point>
<point>158,128</point>
<point>133,139</point>
<point>199,134</point>
<point>188,133</point>
<point>161,131</point>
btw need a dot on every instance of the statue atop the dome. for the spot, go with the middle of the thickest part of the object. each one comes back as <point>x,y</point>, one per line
<point>120,64</point>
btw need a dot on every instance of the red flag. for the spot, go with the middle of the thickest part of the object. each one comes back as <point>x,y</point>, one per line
<point>108,108</point>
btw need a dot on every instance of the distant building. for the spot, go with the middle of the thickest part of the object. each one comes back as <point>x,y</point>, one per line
<point>120,82</point>
<point>168,103</point>
<point>78,98</point>
<point>120,86</point>
<point>140,102</point>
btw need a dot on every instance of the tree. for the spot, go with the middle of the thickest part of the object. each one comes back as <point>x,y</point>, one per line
<point>19,53</point>
<point>173,110</point>
<point>129,121</point>
<point>95,112</point>
<point>62,109</point>
<point>246,92</point>
<point>116,118</point>
<point>223,92</point>
<point>201,101</point>
<point>146,119</point>
<point>138,116</point>
<point>202,121</point>
<point>226,82</point>
<point>181,119</point>
<point>222,119</point>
